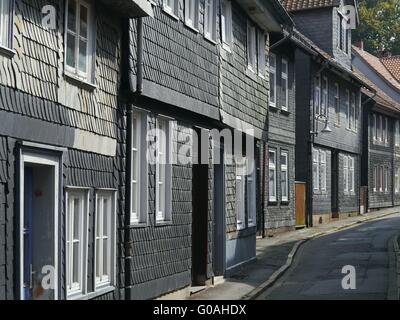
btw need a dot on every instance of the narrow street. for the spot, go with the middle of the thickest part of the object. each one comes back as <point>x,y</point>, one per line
<point>316,272</point>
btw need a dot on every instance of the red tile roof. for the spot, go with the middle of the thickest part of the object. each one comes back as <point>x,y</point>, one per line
<point>393,65</point>
<point>297,5</point>
<point>376,64</point>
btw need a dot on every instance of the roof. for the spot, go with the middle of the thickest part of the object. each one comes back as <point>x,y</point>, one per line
<point>392,63</point>
<point>299,37</point>
<point>298,5</point>
<point>381,98</point>
<point>378,66</point>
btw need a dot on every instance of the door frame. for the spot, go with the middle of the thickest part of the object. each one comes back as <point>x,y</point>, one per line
<point>42,158</point>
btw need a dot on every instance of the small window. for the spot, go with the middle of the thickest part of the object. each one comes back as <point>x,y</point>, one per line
<point>379,129</point>
<point>375,179</point>
<point>381,178</point>
<point>397,180</point>
<point>171,7</point>
<point>374,127</point>
<point>324,97</point>
<point>251,192</point>
<point>261,53</point>
<point>272,175</point>
<point>316,169</point>
<point>284,177</point>
<point>79,37</point>
<point>337,103</point>
<point>397,133</point>
<point>387,177</point>
<point>251,47</point>
<point>340,30</point>
<point>346,174</point>
<point>352,119</point>
<point>386,133</point>
<point>105,239</point>
<point>348,103</point>
<point>192,13</point>
<point>226,24</point>
<point>164,170</point>
<point>317,94</point>
<point>139,169</point>
<point>210,20</point>
<point>5,22</point>
<point>322,159</point>
<point>284,85</point>
<point>76,241</point>
<point>240,193</point>
<point>272,80</point>
<point>351,174</point>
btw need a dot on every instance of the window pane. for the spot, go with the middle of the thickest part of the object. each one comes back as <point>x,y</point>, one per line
<point>83,28</point>
<point>98,216</point>
<point>272,192</point>
<point>75,270</point>
<point>284,93</point>
<point>77,219</point>
<point>71,55</point>
<point>106,216</point>
<point>72,15</point>
<point>83,55</point>
<point>272,88</point>
<point>105,257</point>
<point>98,250</point>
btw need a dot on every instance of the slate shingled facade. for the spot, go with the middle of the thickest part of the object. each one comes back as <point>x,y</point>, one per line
<point>47,113</point>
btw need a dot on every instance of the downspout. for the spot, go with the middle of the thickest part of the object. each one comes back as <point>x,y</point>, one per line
<point>129,145</point>
<point>263,179</point>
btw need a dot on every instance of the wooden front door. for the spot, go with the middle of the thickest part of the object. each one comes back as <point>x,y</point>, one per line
<point>300,204</point>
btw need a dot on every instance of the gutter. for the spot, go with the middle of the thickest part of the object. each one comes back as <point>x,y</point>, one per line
<point>129,143</point>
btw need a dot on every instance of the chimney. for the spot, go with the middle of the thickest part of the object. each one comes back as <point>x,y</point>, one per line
<point>386,53</point>
<point>360,45</point>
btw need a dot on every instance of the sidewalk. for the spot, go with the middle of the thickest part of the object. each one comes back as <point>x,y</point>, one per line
<point>274,256</point>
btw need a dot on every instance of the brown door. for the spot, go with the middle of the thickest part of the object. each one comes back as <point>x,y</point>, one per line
<point>300,204</point>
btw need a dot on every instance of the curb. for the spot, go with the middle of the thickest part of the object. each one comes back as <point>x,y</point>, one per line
<point>253,294</point>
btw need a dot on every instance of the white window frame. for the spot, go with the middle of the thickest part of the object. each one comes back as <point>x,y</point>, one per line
<point>210,20</point>
<point>323,171</point>
<point>351,163</point>
<point>348,102</point>
<point>381,178</point>
<point>272,166</point>
<point>397,133</point>
<point>5,23</point>
<point>337,103</point>
<point>261,53</point>
<point>80,288</point>
<point>375,178</point>
<point>380,128</point>
<point>90,52</point>
<point>192,14</point>
<point>324,96</point>
<point>316,177</point>
<point>285,182</point>
<point>171,7</point>
<point>251,190</point>
<point>352,119</point>
<point>139,170</point>
<point>397,180</point>
<point>272,71</point>
<point>346,174</point>
<point>226,25</point>
<point>164,159</point>
<point>240,193</point>
<point>386,131</point>
<point>105,280</point>
<point>317,94</point>
<point>374,127</point>
<point>251,46</point>
<point>285,79</point>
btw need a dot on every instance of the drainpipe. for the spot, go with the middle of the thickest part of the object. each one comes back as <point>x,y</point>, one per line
<point>264,171</point>
<point>129,144</point>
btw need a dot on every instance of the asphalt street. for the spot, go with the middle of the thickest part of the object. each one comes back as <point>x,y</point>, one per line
<point>316,272</point>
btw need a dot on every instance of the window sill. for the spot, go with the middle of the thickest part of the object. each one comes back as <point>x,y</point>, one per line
<point>138,225</point>
<point>92,295</point>
<point>191,27</point>
<point>251,73</point>
<point>163,223</point>
<point>210,40</point>
<point>7,52</point>
<point>171,14</point>
<point>273,107</point>
<point>285,112</point>
<point>226,47</point>
<point>272,202</point>
<point>74,80</point>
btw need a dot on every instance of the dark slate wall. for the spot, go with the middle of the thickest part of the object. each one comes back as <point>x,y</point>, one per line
<point>380,155</point>
<point>244,94</point>
<point>180,65</point>
<point>38,104</point>
<point>282,138</point>
<point>7,252</point>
